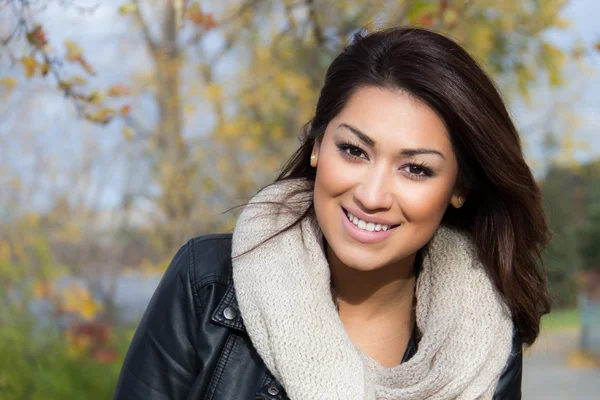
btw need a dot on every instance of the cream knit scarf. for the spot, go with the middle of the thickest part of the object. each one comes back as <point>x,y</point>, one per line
<point>283,290</point>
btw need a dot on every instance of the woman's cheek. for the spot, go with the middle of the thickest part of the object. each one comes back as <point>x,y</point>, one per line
<point>424,202</point>
<point>335,175</point>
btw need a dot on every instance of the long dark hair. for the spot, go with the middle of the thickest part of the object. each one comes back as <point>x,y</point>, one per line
<point>503,211</point>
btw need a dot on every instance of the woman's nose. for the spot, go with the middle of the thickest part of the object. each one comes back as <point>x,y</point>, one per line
<point>373,191</point>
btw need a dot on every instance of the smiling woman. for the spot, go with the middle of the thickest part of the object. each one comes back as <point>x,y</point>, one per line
<point>397,256</point>
<point>387,159</point>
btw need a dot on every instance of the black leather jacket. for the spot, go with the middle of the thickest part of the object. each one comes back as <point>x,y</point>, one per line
<point>191,342</point>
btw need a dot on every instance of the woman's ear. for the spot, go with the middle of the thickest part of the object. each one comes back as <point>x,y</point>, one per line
<point>314,157</point>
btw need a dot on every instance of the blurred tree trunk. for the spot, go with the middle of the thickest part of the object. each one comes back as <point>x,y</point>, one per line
<point>171,164</point>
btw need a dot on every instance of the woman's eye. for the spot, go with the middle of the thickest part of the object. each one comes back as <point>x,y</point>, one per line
<point>354,151</point>
<point>418,171</point>
<point>351,151</point>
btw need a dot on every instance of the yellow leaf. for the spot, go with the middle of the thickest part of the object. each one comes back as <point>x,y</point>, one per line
<point>118,90</point>
<point>223,165</point>
<point>30,66</point>
<point>43,289</point>
<point>128,133</point>
<point>78,300</point>
<point>277,133</point>
<point>563,23</point>
<point>420,11</point>
<point>213,91</point>
<point>37,37</point>
<point>88,310</point>
<point>232,129</point>
<point>208,185</point>
<point>194,13</point>
<point>450,16</point>
<point>78,80</point>
<point>481,38</point>
<point>249,145</point>
<point>189,108</point>
<point>86,66</point>
<point>74,52</point>
<point>65,86</point>
<point>32,221</point>
<point>96,97</point>
<point>127,8</point>
<point>9,82</point>
<point>68,233</point>
<point>5,253</point>
<point>44,69</point>
<point>102,116</point>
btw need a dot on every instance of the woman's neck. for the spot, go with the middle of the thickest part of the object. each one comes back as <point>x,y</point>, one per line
<point>377,308</point>
<point>371,295</point>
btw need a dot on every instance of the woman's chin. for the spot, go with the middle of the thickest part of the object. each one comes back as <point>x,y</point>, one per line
<point>362,261</point>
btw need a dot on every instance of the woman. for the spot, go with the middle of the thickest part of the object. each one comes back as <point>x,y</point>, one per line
<point>397,256</point>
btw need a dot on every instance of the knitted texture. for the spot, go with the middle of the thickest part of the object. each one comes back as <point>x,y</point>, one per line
<point>283,290</point>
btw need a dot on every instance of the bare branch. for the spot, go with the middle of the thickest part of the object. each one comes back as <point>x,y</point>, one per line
<point>312,16</point>
<point>227,20</point>
<point>78,7</point>
<point>142,133</point>
<point>249,5</point>
<point>23,24</point>
<point>152,46</point>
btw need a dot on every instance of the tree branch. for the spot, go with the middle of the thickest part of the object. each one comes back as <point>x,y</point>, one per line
<point>152,46</point>
<point>312,16</point>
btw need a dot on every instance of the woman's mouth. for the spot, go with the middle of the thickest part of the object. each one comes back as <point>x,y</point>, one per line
<point>366,231</point>
<point>366,225</point>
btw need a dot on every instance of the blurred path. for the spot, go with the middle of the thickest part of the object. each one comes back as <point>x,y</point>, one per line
<point>547,376</point>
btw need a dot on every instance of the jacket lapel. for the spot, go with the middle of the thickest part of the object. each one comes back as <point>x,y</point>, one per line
<point>227,313</point>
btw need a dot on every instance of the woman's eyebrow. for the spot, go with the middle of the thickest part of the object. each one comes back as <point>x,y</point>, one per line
<point>371,143</point>
<point>414,152</point>
<point>361,135</point>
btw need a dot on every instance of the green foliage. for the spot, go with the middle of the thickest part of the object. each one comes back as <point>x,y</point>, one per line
<point>561,319</point>
<point>590,240</point>
<point>38,364</point>
<point>572,199</point>
<point>39,358</point>
<point>561,258</point>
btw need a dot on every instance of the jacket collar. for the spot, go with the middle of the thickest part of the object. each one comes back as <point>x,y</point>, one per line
<point>228,313</point>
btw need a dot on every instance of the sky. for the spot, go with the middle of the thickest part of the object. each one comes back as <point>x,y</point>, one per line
<point>115,58</point>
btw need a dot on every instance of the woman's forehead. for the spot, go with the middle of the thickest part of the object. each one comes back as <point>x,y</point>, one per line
<point>391,119</point>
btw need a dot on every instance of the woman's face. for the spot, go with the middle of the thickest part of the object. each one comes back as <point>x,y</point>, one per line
<point>387,160</point>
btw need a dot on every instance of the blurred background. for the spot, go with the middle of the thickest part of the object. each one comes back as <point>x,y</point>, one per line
<point>127,127</point>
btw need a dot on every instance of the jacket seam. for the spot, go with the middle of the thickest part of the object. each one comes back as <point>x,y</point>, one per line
<point>220,367</point>
<point>198,286</point>
<point>197,306</point>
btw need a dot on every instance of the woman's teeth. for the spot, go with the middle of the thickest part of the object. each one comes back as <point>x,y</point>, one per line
<point>366,226</point>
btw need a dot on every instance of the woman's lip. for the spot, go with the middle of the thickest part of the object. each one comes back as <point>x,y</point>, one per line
<point>361,235</point>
